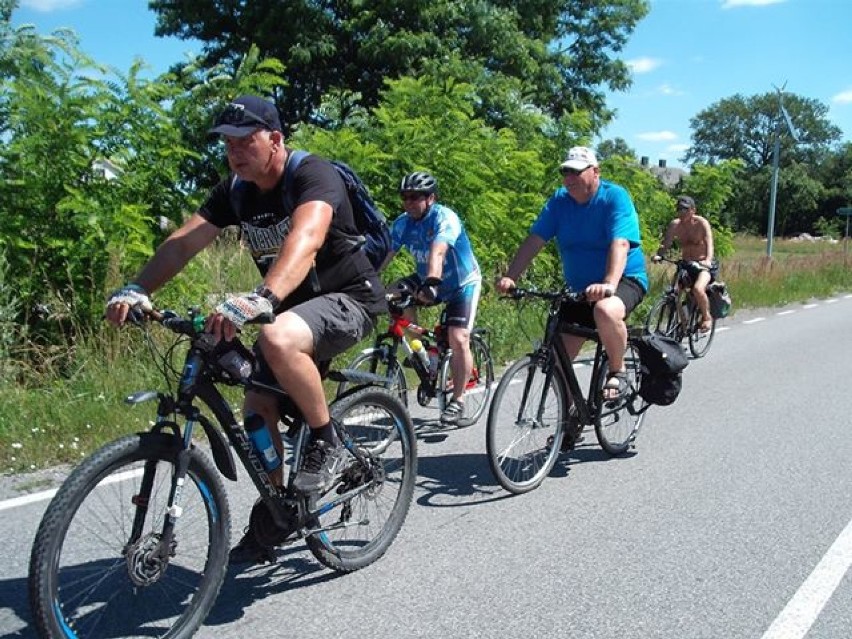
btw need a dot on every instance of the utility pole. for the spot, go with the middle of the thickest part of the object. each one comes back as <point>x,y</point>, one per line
<point>776,152</point>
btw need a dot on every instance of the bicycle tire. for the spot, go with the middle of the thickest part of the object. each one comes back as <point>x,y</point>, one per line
<point>699,343</point>
<point>378,361</point>
<point>478,389</point>
<point>87,580</point>
<point>615,425</point>
<point>662,318</point>
<point>522,449</point>
<point>380,426</point>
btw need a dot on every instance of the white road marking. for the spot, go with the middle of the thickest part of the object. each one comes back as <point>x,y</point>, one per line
<point>32,498</point>
<point>803,609</point>
<point>785,312</point>
<point>810,306</point>
<point>754,321</point>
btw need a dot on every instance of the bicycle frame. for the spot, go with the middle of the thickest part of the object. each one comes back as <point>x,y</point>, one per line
<point>399,326</point>
<point>553,345</point>
<point>288,509</point>
<point>590,404</point>
<point>680,293</point>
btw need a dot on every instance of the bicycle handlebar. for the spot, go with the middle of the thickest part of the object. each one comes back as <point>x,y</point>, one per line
<point>565,294</point>
<point>406,299</point>
<point>192,325</point>
<point>678,263</point>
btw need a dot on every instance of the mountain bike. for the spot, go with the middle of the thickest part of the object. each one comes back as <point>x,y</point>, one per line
<point>136,540</point>
<point>539,408</point>
<point>380,365</point>
<point>675,314</point>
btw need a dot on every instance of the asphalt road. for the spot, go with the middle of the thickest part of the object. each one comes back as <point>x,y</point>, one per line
<point>729,520</point>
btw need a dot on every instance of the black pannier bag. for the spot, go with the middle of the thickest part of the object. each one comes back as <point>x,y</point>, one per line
<point>662,361</point>
<point>720,299</point>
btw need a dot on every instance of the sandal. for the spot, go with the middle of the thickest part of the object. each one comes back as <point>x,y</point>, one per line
<point>617,382</point>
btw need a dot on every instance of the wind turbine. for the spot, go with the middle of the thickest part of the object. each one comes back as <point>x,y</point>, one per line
<point>776,151</point>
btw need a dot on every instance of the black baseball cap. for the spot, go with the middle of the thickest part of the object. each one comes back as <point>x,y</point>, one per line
<point>685,202</point>
<point>244,115</point>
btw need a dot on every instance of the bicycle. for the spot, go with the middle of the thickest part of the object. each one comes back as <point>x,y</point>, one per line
<point>136,540</point>
<point>532,412</point>
<point>675,314</point>
<point>380,365</point>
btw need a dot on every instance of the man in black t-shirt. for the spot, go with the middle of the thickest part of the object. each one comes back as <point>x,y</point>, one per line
<point>325,295</point>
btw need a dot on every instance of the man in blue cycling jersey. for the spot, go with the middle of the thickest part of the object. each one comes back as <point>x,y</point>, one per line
<point>596,229</point>
<point>447,271</point>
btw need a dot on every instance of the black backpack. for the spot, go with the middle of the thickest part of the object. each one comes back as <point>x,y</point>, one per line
<point>662,361</point>
<point>375,238</point>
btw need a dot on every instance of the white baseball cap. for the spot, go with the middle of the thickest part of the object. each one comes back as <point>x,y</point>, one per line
<point>579,158</point>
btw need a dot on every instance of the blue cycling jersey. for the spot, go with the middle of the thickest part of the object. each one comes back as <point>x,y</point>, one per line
<point>584,233</point>
<point>440,224</point>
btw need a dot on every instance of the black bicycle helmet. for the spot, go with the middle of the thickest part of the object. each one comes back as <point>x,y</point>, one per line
<point>419,182</point>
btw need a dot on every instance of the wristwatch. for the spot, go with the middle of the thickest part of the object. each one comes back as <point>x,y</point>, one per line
<point>265,291</point>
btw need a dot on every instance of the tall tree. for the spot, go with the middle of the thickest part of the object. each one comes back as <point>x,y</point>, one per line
<point>558,56</point>
<point>744,128</point>
<point>614,147</point>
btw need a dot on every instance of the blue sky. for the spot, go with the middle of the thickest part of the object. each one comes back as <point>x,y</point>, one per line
<point>685,56</point>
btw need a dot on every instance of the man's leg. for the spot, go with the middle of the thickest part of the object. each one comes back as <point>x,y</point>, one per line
<point>609,319</point>
<point>460,313</point>
<point>461,360</point>
<point>316,330</point>
<point>288,348</point>
<point>699,293</point>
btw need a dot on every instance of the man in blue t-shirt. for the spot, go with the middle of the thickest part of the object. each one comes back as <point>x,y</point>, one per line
<point>596,229</point>
<point>447,271</point>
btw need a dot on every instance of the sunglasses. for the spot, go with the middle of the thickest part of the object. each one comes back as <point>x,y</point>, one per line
<point>238,115</point>
<point>567,171</point>
<point>412,196</point>
<point>683,208</point>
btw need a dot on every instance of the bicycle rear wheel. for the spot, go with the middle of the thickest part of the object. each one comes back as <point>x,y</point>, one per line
<point>699,343</point>
<point>378,361</point>
<point>94,567</point>
<point>355,532</point>
<point>525,425</point>
<point>617,422</point>
<point>478,389</point>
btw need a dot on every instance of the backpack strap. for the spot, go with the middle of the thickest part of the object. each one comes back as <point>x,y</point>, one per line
<point>294,159</point>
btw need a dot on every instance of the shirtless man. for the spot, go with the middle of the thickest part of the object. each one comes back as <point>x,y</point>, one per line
<point>695,239</point>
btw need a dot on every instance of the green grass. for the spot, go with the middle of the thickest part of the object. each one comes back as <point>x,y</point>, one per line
<point>73,401</point>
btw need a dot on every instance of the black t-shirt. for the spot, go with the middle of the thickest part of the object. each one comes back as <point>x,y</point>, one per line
<point>264,221</point>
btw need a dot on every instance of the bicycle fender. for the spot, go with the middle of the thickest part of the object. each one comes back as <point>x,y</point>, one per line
<point>222,455</point>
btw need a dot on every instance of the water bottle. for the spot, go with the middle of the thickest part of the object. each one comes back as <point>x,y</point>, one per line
<point>433,361</point>
<point>262,442</point>
<point>420,352</point>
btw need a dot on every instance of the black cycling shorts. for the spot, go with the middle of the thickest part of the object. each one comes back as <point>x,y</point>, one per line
<point>629,291</point>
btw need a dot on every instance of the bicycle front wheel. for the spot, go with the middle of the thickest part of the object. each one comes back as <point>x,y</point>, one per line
<point>525,425</point>
<point>356,522</point>
<point>377,361</point>
<point>699,342</point>
<point>478,388</point>
<point>98,567</point>
<point>617,422</point>
<point>662,318</point>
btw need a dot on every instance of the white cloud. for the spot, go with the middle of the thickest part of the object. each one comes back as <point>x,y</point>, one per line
<point>843,98</point>
<point>657,136</point>
<point>643,65</point>
<point>731,4</point>
<point>667,89</point>
<point>47,6</point>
